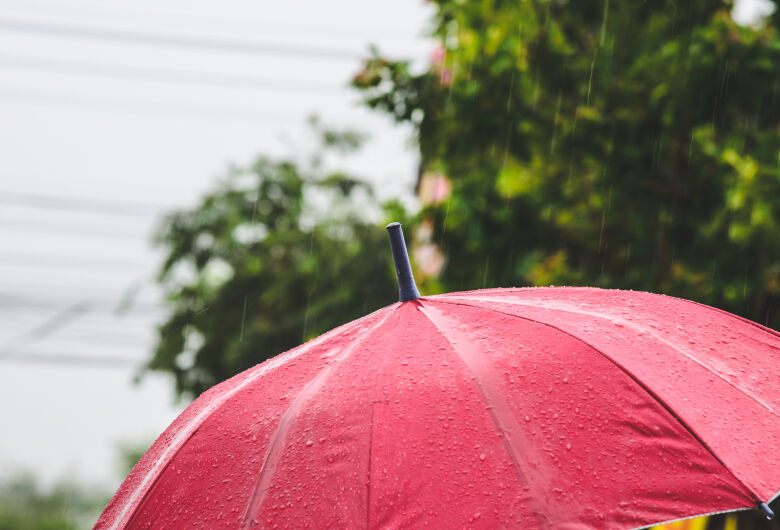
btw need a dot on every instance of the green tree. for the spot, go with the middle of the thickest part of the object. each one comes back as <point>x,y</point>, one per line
<point>279,253</point>
<point>616,143</point>
<point>24,505</point>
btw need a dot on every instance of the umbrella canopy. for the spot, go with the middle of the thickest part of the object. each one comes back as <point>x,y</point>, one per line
<point>523,408</point>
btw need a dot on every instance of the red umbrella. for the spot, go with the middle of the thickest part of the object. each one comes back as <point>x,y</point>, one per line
<point>522,408</point>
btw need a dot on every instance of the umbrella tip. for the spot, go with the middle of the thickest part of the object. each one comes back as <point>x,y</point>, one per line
<point>407,289</point>
<point>764,507</point>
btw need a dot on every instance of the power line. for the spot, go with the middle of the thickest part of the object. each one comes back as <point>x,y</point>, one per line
<point>46,328</point>
<point>98,305</point>
<point>94,327</point>
<point>80,204</point>
<point>118,341</point>
<point>92,334</point>
<point>159,12</point>
<point>55,227</point>
<point>120,264</point>
<point>71,360</point>
<point>180,41</point>
<point>154,108</point>
<point>154,74</point>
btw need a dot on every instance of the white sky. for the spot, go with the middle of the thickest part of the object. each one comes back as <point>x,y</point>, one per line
<point>70,143</point>
<point>74,137</point>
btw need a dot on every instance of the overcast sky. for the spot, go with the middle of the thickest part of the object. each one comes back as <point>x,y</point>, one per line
<point>114,112</point>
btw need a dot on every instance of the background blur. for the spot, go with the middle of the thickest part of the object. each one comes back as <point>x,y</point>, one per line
<point>148,253</point>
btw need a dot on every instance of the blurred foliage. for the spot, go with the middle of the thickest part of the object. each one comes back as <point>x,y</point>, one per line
<point>280,253</point>
<point>129,453</point>
<point>619,144</point>
<point>24,505</point>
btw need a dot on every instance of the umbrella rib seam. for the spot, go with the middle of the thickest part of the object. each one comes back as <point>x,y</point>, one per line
<point>722,311</point>
<point>258,371</point>
<point>289,417</point>
<point>633,378</point>
<point>368,467</point>
<point>154,482</point>
<point>770,409</point>
<point>374,403</point>
<point>518,289</point>
<point>483,291</point>
<point>491,410</point>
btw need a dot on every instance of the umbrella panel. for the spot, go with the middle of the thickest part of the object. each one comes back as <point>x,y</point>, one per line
<point>571,409</point>
<point>710,368</point>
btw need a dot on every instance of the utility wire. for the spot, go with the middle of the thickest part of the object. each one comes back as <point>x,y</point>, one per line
<point>93,334</point>
<point>112,207</point>
<point>53,228</point>
<point>159,12</point>
<point>114,71</point>
<point>71,360</point>
<point>94,326</point>
<point>119,264</point>
<point>44,329</point>
<point>179,41</point>
<point>97,305</point>
<point>156,109</point>
<point>119,332</point>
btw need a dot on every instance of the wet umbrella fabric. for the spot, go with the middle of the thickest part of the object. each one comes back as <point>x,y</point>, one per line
<point>525,408</point>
